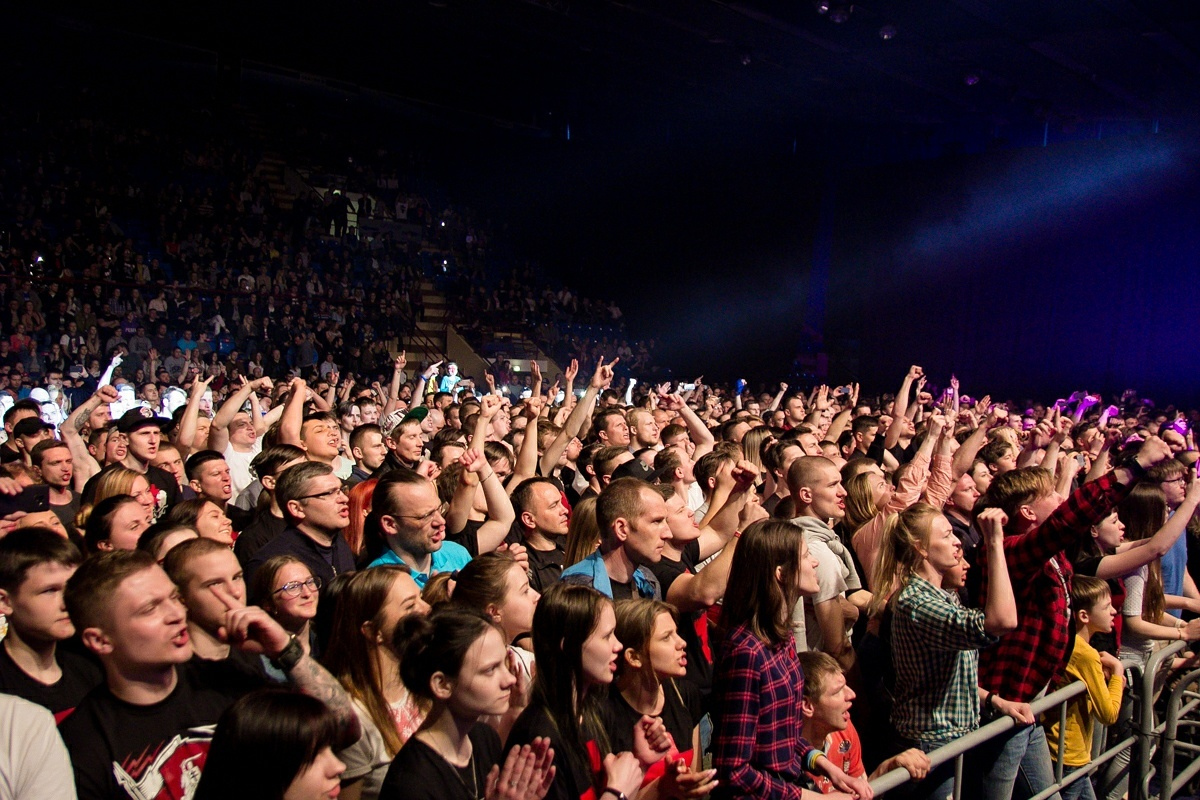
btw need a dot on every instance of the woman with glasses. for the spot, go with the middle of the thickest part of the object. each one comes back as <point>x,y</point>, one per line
<point>287,590</point>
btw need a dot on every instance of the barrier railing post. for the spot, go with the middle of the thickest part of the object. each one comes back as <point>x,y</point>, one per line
<point>1140,770</point>
<point>1166,770</point>
<point>1062,741</point>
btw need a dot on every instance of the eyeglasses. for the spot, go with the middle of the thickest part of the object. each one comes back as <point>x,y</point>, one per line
<point>293,588</point>
<point>324,495</point>
<point>1176,479</point>
<point>440,510</point>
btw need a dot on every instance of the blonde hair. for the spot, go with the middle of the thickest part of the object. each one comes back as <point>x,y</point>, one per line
<point>860,502</point>
<point>904,536</point>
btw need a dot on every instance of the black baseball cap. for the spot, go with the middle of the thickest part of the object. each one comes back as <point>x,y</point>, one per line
<point>139,417</point>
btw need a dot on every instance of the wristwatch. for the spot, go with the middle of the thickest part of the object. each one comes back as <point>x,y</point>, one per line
<point>290,656</point>
<point>614,792</point>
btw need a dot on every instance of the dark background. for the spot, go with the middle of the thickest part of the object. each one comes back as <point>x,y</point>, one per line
<point>1007,190</point>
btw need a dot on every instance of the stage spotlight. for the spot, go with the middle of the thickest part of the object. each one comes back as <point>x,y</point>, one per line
<point>887,32</point>
<point>970,79</point>
<point>822,6</point>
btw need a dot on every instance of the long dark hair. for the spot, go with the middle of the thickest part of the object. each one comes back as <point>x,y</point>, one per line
<point>566,616</point>
<point>263,741</point>
<point>436,643</point>
<point>754,597</point>
<point>1144,511</point>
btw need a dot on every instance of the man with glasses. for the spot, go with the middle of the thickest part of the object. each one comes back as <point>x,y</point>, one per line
<point>1173,476</point>
<point>408,513</point>
<point>317,511</point>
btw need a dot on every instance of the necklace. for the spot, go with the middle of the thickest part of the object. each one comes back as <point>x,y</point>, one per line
<point>472,790</point>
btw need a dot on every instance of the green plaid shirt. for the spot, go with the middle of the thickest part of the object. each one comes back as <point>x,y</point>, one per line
<point>935,648</point>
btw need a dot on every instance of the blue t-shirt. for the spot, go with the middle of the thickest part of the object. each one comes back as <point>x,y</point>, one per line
<point>1174,564</point>
<point>448,558</point>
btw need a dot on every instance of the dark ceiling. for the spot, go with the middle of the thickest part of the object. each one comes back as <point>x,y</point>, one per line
<point>704,66</point>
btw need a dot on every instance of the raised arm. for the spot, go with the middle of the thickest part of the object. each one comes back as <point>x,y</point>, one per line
<point>218,435</point>
<point>526,464</point>
<point>700,435</point>
<point>393,397</point>
<point>85,465</point>
<point>900,406</point>
<point>771,409</point>
<point>293,413</point>
<point>1141,553</point>
<point>185,435</point>
<point>556,447</point>
<point>1000,607</point>
<point>500,513</point>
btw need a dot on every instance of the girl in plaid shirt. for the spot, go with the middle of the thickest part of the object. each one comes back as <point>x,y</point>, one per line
<point>757,747</point>
<point>935,639</point>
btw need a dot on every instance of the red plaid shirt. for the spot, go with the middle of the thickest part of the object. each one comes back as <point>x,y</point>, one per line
<point>757,748</point>
<point>1022,663</point>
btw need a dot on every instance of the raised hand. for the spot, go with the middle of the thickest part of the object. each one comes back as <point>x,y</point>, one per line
<point>571,371</point>
<point>1153,451</point>
<point>991,522</point>
<point>400,361</point>
<point>602,378</point>
<point>431,370</point>
<point>490,405</point>
<point>490,380</point>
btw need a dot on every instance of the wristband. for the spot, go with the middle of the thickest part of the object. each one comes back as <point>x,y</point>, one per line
<point>810,760</point>
<point>1137,469</point>
<point>491,474</point>
<point>287,660</point>
<point>609,790</point>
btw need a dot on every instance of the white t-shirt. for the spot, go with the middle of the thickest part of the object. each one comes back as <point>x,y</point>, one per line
<point>33,760</point>
<point>239,466</point>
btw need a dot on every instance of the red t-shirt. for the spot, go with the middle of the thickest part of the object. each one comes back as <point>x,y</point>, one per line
<point>845,750</point>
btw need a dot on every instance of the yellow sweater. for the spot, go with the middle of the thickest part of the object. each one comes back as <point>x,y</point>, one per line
<point>1101,701</point>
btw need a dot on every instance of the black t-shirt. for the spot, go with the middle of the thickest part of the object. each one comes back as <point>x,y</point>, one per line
<point>420,773</point>
<point>122,750</point>
<point>265,527</point>
<point>575,773</point>
<point>66,513</point>
<point>323,562</point>
<point>693,626</point>
<point>468,537</point>
<point>9,455</point>
<point>545,566</point>
<point>79,676</point>
<point>622,591</point>
<point>681,713</point>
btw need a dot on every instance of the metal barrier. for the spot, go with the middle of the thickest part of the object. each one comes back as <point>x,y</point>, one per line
<point>1144,736</point>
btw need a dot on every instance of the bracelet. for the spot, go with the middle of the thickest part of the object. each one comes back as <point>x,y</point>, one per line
<point>617,793</point>
<point>1137,469</point>
<point>491,474</point>
<point>810,760</point>
<point>987,699</point>
<point>287,660</point>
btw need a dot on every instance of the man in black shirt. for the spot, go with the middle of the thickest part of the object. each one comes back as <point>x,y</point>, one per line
<point>317,511</point>
<point>35,564</point>
<point>145,731</point>
<point>22,409</point>
<point>268,522</point>
<point>52,460</point>
<point>143,430</point>
<point>541,525</point>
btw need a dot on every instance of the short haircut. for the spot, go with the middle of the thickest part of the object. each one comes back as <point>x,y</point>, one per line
<point>1015,488</point>
<point>383,501</point>
<point>604,460</point>
<point>993,451</point>
<point>292,483</point>
<point>601,421</point>
<point>818,668</point>
<point>863,424</point>
<point>197,460</point>
<point>621,499</point>
<point>26,548</point>
<point>1086,591</point>
<point>271,458</point>
<point>180,557</point>
<point>39,450</point>
<point>360,433</point>
<point>707,467</point>
<point>805,471</point>
<point>667,460</point>
<point>522,496</point>
<point>19,406</point>
<point>93,585</point>
<point>671,431</point>
<point>1164,470</point>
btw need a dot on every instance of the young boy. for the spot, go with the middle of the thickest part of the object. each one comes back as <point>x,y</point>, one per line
<point>35,565</point>
<point>826,709</point>
<point>1093,612</point>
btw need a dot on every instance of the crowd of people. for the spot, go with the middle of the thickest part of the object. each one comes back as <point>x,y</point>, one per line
<point>427,590</point>
<point>248,550</point>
